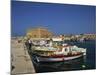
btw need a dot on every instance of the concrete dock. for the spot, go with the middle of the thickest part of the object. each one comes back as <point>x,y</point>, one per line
<point>20,59</point>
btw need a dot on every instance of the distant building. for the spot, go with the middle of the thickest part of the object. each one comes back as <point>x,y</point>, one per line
<point>90,36</point>
<point>39,32</point>
<point>87,37</point>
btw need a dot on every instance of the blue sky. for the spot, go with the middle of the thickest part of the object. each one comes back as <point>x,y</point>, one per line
<point>58,18</point>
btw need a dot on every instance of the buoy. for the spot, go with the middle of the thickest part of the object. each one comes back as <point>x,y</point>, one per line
<point>83,66</point>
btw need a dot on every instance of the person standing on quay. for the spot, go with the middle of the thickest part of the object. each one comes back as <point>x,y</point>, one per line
<point>29,44</point>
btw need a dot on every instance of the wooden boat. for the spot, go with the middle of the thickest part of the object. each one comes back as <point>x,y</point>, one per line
<point>63,53</point>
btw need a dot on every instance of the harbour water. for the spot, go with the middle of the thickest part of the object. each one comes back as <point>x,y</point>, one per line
<point>89,62</point>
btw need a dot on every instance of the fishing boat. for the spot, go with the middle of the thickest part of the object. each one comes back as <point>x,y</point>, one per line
<point>60,53</point>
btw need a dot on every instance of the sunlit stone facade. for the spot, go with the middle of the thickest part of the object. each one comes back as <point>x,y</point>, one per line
<point>39,32</point>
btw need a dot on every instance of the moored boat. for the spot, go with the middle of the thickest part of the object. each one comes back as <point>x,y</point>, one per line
<point>61,53</point>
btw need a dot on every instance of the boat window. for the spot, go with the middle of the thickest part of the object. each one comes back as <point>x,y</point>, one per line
<point>65,49</point>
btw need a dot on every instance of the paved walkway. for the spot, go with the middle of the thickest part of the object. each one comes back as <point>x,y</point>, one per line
<point>20,59</point>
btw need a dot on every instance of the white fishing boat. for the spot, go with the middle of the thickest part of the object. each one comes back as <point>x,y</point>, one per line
<point>60,53</point>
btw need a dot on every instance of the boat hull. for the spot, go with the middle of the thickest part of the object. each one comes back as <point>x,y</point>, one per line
<point>57,59</point>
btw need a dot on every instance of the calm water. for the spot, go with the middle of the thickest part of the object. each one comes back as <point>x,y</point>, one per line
<point>77,64</point>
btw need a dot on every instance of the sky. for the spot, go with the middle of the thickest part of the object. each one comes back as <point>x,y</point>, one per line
<point>58,18</point>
